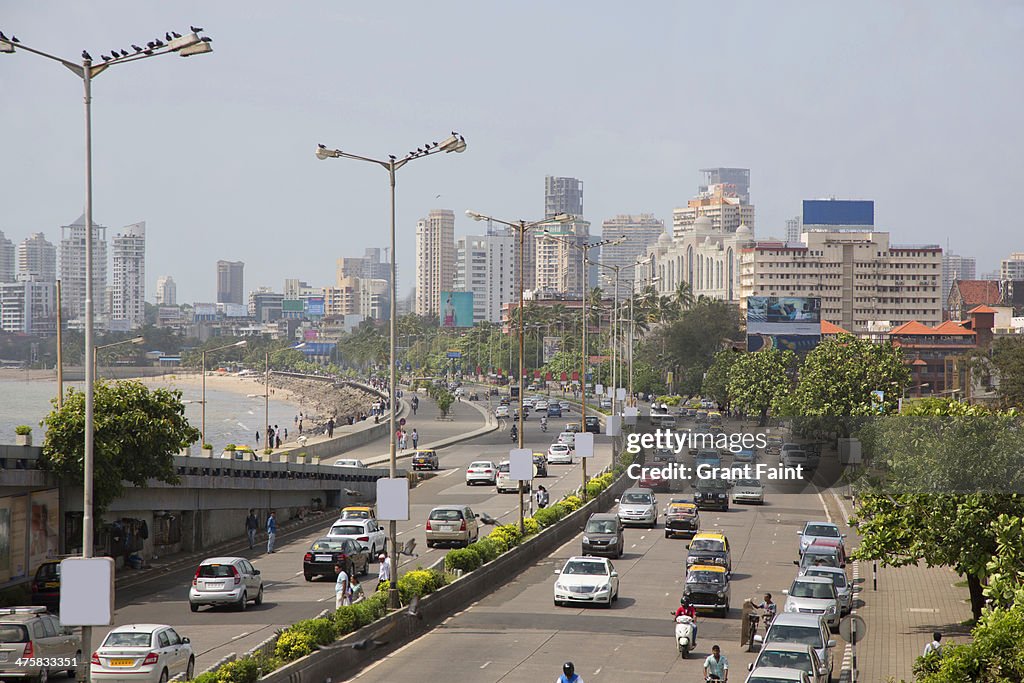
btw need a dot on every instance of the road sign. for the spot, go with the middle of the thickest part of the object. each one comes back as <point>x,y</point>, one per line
<point>853,629</point>
<point>401,421</point>
<point>455,354</point>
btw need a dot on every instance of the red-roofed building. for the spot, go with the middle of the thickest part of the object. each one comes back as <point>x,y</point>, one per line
<point>967,294</point>
<point>929,351</point>
<point>830,331</point>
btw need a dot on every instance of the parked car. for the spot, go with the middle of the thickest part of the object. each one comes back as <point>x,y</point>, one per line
<point>807,629</point>
<point>817,556</point>
<point>773,445</point>
<point>709,548</point>
<point>349,462</point>
<point>425,460</point>
<point>638,506</point>
<point>45,585</point>
<point>813,595</point>
<point>326,553</point>
<point>593,424</point>
<point>366,532</point>
<point>813,531</point>
<point>481,471</point>
<point>505,483</point>
<point>707,587</point>
<point>836,543</point>
<point>774,674</point>
<point>225,581</point>
<point>587,579</point>
<point>681,517</point>
<point>799,656</point>
<point>843,588</point>
<point>559,454</point>
<point>603,535</point>
<point>34,634</point>
<point>748,491</point>
<point>153,653</point>
<point>452,524</point>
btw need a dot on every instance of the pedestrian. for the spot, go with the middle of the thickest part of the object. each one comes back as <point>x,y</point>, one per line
<point>415,439</point>
<point>271,532</point>
<point>251,526</point>
<point>278,440</point>
<point>342,594</point>
<point>356,589</point>
<point>384,572</point>
<point>934,646</point>
<point>285,433</point>
<point>300,426</point>
<point>257,438</point>
<point>270,436</point>
<point>405,440</point>
<point>296,420</point>
<point>542,497</point>
<point>330,428</point>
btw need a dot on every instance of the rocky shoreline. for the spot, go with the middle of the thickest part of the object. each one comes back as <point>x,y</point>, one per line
<point>322,400</point>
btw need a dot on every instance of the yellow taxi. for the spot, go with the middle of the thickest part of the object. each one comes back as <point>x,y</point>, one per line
<point>681,517</point>
<point>357,512</point>
<point>707,586</point>
<point>709,548</point>
<point>425,459</point>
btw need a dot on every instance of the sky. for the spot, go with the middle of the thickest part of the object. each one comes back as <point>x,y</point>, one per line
<point>914,104</point>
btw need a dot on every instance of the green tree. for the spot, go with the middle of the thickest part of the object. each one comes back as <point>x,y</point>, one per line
<point>137,433</point>
<point>758,381</point>
<point>1006,366</point>
<point>995,653</point>
<point>716,380</point>
<point>838,377</point>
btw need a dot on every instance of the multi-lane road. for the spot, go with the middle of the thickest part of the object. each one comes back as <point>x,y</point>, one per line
<point>289,598</point>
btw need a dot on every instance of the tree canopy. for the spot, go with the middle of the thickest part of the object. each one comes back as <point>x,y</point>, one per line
<point>758,381</point>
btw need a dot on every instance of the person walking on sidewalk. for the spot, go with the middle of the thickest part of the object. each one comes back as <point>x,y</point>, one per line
<point>934,646</point>
<point>384,573</point>
<point>252,524</point>
<point>330,428</point>
<point>415,439</point>
<point>342,590</point>
<point>356,590</point>
<point>271,531</point>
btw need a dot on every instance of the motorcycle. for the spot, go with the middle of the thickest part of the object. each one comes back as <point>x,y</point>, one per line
<point>543,425</point>
<point>514,434</point>
<point>684,634</point>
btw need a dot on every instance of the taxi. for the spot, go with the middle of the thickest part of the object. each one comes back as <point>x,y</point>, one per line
<point>357,512</point>
<point>46,585</point>
<point>715,418</point>
<point>425,459</point>
<point>707,587</point>
<point>709,548</point>
<point>681,517</point>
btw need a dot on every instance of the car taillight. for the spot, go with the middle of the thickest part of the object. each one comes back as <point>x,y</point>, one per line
<point>428,525</point>
<point>462,527</point>
<point>488,471</point>
<point>196,577</point>
<point>29,650</point>
<point>308,557</point>
<point>151,658</point>
<point>238,580</point>
<point>95,658</point>
<point>363,538</point>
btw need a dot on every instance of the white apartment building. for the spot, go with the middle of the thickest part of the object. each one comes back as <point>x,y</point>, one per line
<point>704,256</point>
<point>720,204</point>
<point>641,232</point>
<point>37,259</point>
<point>166,291</point>
<point>486,266</point>
<point>858,274</point>
<point>372,297</point>
<point>72,268</point>
<point>6,259</point>
<point>1011,268</point>
<point>435,259</point>
<point>956,267</point>
<point>28,307</point>
<point>128,301</point>
<point>559,266</point>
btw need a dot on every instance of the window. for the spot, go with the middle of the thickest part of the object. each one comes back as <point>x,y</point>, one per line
<point>162,639</point>
<point>173,636</point>
<point>48,625</point>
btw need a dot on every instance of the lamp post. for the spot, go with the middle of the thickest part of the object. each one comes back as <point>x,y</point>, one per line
<point>203,401</point>
<point>521,227</point>
<point>632,325</point>
<point>185,46</point>
<point>96,351</point>
<point>453,143</point>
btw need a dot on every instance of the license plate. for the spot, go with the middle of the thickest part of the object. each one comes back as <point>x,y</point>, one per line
<point>121,662</point>
<point>448,527</point>
<point>324,558</point>
<point>210,586</point>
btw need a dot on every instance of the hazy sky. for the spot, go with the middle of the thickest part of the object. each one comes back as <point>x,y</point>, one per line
<point>916,105</point>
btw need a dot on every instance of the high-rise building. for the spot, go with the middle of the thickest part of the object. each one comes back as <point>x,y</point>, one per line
<point>166,291</point>
<point>37,259</point>
<point>641,232</point>
<point>128,302</point>
<point>435,259</point>
<point>485,265</point>
<point>956,267</point>
<point>736,179</point>
<point>265,305</point>
<point>559,268</point>
<point>6,259</point>
<point>794,229</point>
<point>28,307</point>
<point>563,195</point>
<point>72,268</point>
<point>1012,268</point>
<point>727,205</point>
<point>231,282</point>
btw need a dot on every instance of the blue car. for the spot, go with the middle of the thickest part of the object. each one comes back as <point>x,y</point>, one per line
<point>554,410</point>
<point>744,456</point>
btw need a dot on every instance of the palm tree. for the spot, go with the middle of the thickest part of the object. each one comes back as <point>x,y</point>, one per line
<point>684,296</point>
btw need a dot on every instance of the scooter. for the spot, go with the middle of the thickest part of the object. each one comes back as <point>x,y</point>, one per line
<point>684,634</point>
<point>544,425</point>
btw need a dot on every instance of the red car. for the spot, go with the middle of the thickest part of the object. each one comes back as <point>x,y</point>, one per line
<point>646,481</point>
<point>837,544</point>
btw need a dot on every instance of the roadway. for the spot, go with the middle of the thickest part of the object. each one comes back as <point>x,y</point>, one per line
<point>516,633</point>
<point>216,633</point>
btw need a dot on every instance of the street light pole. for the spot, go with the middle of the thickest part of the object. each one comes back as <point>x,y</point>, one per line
<point>96,351</point>
<point>266,398</point>
<point>454,143</point>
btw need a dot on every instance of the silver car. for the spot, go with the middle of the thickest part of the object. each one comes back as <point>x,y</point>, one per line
<point>809,629</point>
<point>226,581</point>
<point>815,530</point>
<point>748,491</point>
<point>32,633</point>
<point>638,506</point>
<point>813,595</point>
<point>843,587</point>
<point>800,656</point>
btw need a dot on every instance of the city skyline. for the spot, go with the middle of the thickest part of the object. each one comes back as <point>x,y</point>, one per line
<point>807,140</point>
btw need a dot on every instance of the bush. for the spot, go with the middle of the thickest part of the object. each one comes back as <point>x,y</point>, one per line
<point>292,645</point>
<point>530,526</point>
<point>509,532</point>
<point>594,487</point>
<point>245,670</point>
<point>419,582</point>
<point>464,560</point>
<point>549,515</point>
<point>669,400</point>
<point>208,677</point>
<point>487,549</point>
<point>321,630</point>
<point>22,430</point>
<point>230,447</point>
<point>268,451</point>
<point>346,618</point>
<point>572,503</point>
<point>207,447</point>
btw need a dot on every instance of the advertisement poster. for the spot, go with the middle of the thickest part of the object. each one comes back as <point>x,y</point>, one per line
<point>552,345</point>
<point>12,538</point>
<point>456,309</point>
<point>45,527</point>
<point>797,343</point>
<point>783,309</point>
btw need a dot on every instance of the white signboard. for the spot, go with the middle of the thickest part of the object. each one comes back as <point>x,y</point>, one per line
<point>631,414</point>
<point>393,499</point>
<point>87,591</point>
<point>621,393</point>
<point>584,444</point>
<point>599,389</point>
<point>612,425</point>
<point>520,464</point>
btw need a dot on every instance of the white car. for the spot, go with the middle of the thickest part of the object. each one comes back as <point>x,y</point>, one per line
<point>568,438</point>
<point>813,595</point>
<point>483,471</point>
<point>799,656</point>
<point>153,653</point>
<point>501,411</point>
<point>225,581</point>
<point>748,491</point>
<point>505,483</point>
<point>559,454</point>
<point>366,532</point>
<point>540,405</point>
<point>349,462</point>
<point>587,579</point>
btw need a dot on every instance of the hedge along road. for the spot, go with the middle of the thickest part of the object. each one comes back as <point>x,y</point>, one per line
<point>289,598</point>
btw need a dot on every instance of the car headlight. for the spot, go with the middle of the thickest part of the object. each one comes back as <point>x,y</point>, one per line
<point>789,608</point>
<point>831,609</point>
<point>559,586</point>
<point>804,543</point>
<point>721,594</point>
<point>605,588</point>
<point>586,540</point>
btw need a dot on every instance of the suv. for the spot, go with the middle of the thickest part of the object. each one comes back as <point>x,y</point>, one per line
<point>593,424</point>
<point>453,524</point>
<point>809,629</point>
<point>425,460</point>
<point>813,595</point>
<point>711,494</point>
<point>225,581</point>
<point>603,535</point>
<point>638,506</point>
<point>34,634</point>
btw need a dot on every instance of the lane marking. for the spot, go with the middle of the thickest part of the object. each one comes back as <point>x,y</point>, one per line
<point>243,634</point>
<point>485,665</point>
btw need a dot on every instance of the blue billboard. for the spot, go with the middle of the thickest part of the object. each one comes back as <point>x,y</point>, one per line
<point>839,212</point>
<point>799,343</point>
<point>317,348</point>
<point>314,305</point>
<point>456,309</point>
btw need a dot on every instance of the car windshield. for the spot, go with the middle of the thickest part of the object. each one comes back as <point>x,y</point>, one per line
<point>601,526</point>
<point>804,635</point>
<point>838,580</point>
<point>819,560</point>
<point>355,514</point>
<point>823,530</point>
<point>216,571</point>
<point>445,515</point>
<point>13,633</point>
<point>748,482</point>
<point>559,447</point>
<point>707,544</point>
<point>785,660</point>
<point>705,577</point>
<point>637,499</point>
<point>585,568</point>
<point>818,591</point>
<point>346,530</point>
<point>127,639</point>
<point>503,467</point>
<point>764,679</point>
<point>481,465</point>
<point>681,510</point>
<point>331,546</point>
<point>48,571</point>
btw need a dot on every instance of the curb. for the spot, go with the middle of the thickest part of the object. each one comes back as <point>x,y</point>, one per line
<point>490,426</point>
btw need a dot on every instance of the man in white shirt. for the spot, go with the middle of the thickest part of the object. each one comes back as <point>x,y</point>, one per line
<point>934,646</point>
<point>341,589</point>
<point>716,664</point>
<point>384,573</point>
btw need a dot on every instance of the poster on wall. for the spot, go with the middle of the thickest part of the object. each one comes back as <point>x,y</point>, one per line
<point>456,309</point>
<point>552,345</point>
<point>44,527</point>
<point>13,523</point>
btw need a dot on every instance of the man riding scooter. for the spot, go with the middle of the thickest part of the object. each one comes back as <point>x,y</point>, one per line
<point>543,423</point>
<point>686,626</point>
<point>514,433</point>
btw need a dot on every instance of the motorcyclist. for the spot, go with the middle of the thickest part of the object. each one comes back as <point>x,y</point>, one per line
<point>514,432</point>
<point>544,422</point>
<point>716,666</point>
<point>569,674</point>
<point>687,608</point>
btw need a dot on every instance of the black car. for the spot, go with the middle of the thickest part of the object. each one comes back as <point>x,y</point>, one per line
<point>708,589</point>
<point>711,494</point>
<point>540,463</point>
<point>592,424</point>
<point>681,517</point>
<point>46,585</point>
<point>603,535</point>
<point>325,553</point>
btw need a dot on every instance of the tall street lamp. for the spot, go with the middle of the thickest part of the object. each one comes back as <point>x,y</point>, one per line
<point>632,327</point>
<point>453,143</point>
<point>186,46</point>
<point>522,227</point>
<point>96,351</point>
<point>206,351</point>
<point>584,250</point>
